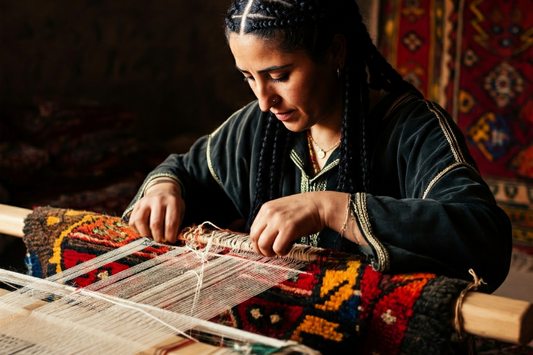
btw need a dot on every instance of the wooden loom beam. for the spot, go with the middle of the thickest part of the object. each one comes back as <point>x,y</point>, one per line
<point>484,315</point>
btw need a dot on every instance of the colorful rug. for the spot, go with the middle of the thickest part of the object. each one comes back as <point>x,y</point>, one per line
<point>474,58</point>
<point>412,39</point>
<point>489,89</point>
<point>340,304</point>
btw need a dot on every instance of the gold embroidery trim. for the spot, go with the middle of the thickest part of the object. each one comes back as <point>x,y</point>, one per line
<point>364,221</point>
<point>408,96</point>
<point>454,146</point>
<point>317,183</point>
<point>210,163</point>
<point>448,133</point>
<point>441,174</point>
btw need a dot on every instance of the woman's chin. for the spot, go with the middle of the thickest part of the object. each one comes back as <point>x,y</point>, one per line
<point>294,127</point>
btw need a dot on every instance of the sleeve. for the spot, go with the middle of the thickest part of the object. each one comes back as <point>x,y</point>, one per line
<point>444,219</point>
<point>214,174</point>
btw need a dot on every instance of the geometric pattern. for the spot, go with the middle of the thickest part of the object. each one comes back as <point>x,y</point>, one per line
<point>338,304</point>
<point>491,135</point>
<point>470,58</point>
<point>475,60</point>
<point>409,34</point>
<point>503,84</point>
<point>412,41</point>
<point>413,11</point>
<point>499,35</point>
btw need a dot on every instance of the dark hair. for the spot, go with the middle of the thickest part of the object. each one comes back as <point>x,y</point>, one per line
<point>310,25</point>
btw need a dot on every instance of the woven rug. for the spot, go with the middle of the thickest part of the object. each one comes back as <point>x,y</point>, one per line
<point>490,96</point>
<point>474,57</point>
<point>412,38</point>
<point>340,304</point>
<point>490,87</point>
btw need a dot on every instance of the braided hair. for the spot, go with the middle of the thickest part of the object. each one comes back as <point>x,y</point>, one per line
<point>310,25</point>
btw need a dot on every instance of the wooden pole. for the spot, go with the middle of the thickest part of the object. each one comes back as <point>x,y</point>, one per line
<point>484,315</point>
<point>12,220</point>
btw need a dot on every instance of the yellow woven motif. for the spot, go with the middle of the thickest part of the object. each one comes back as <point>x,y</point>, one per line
<point>334,278</point>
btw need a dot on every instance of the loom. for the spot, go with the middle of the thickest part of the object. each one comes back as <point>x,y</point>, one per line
<point>197,288</point>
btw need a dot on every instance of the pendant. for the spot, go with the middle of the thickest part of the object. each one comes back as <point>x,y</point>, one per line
<point>321,154</point>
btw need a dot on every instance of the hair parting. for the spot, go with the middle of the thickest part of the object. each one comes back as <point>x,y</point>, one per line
<point>311,25</point>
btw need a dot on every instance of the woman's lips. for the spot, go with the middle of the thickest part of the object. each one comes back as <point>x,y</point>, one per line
<point>284,116</point>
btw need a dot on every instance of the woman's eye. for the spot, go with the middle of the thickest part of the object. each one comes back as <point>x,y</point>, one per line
<point>280,79</point>
<point>248,78</point>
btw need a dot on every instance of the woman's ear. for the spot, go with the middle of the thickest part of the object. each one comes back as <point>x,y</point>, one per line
<point>338,50</point>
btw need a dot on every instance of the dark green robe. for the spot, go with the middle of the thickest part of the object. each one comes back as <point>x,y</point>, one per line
<point>429,210</point>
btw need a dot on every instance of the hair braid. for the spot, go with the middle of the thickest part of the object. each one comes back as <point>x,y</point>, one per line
<point>382,74</point>
<point>274,149</point>
<point>363,115</point>
<point>262,170</point>
<point>345,182</point>
<point>274,168</point>
<point>311,25</point>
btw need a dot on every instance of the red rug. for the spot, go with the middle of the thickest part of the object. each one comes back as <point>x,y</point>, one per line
<point>474,57</point>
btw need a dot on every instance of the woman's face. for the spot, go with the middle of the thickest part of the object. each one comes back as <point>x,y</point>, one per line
<point>298,90</point>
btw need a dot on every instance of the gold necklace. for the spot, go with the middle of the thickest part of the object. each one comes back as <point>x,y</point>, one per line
<point>322,152</point>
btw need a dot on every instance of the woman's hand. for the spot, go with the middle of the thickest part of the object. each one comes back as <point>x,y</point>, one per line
<point>158,215</point>
<point>282,221</point>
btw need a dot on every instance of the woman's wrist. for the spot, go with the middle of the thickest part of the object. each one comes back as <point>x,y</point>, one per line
<point>163,180</point>
<point>339,216</point>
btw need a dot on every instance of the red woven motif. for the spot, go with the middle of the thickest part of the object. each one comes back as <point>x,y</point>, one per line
<point>338,304</point>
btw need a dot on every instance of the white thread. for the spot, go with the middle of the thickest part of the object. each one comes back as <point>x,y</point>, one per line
<point>159,293</point>
<point>98,296</point>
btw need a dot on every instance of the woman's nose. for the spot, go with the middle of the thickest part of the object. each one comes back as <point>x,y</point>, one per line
<point>266,97</point>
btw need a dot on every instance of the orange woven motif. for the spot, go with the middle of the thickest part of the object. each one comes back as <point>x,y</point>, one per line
<point>338,304</point>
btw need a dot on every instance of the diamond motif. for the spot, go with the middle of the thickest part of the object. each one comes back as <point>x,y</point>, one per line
<point>388,317</point>
<point>504,84</point>
<point>412,41</point>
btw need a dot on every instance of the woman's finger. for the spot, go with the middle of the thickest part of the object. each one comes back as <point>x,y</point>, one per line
<point>266,241</point>
<point>139,221</point>
<point>173,220</point>
<point>157,224</point>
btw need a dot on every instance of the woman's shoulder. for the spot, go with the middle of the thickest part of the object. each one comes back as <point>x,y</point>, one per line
<point>243,121</point>
<point>410,112</point>
<point>423,126</point>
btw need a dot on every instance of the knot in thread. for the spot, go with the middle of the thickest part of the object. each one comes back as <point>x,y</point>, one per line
<point>458,321</point>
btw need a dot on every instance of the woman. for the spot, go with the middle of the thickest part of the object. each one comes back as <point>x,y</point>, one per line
<point>338,151</point>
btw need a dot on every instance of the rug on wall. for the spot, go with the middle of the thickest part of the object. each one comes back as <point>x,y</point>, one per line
<point>474,57</point>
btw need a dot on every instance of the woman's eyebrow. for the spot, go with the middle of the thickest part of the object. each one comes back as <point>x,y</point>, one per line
<point>266,70</point>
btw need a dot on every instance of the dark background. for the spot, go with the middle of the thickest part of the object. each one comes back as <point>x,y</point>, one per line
<point>95,93</point>
<point>163,62</point>
<point>167,60</point>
